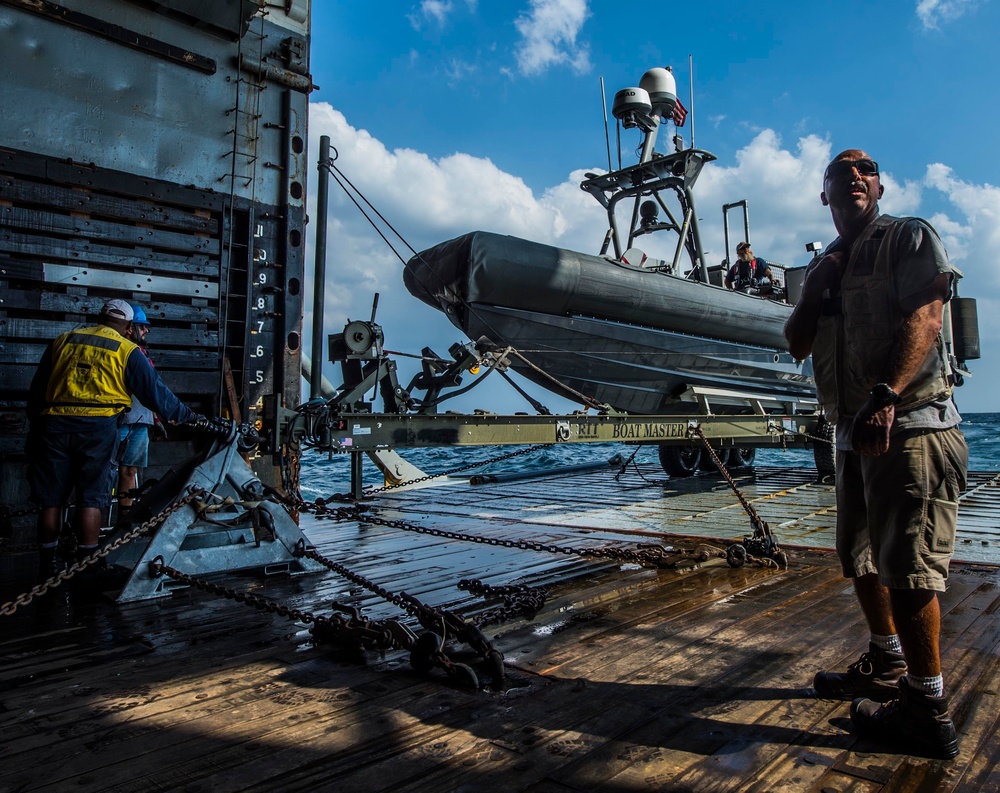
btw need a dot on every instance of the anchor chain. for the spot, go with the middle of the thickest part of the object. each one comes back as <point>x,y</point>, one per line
<point>797,433</point>
<point>519,600</point>
<point>7,512</point>
<point>357,631</point>
<point>646,555</point>
<point>623,466</point>
<point>12,549</point>
<point>440,624</point>
<point>65,575</point>
<point>762,542</point>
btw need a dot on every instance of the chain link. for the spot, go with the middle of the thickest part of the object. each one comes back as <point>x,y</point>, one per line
<point>762,541</point>
<point>357,631</point>
<point>12,549</point>
<point>411,607</point>
<point>519,600</point>
<point>785,431</point>
<point>646,555</point>
<point>65,575</point>
<point>6,512</point>
<point>427,650</point>
<point>754,517</point>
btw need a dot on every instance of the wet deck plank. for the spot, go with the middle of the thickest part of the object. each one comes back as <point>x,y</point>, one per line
<point>630,679</point>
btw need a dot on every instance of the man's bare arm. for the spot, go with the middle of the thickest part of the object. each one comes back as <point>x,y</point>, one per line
<point>919,332</point>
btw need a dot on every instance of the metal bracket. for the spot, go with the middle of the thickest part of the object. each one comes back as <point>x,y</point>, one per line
<point>236,536</point>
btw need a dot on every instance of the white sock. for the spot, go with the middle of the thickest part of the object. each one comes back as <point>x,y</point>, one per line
<point>890,643</point>
<point>934,686</point>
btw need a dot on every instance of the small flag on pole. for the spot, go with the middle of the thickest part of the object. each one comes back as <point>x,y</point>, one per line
<point>680,114</point>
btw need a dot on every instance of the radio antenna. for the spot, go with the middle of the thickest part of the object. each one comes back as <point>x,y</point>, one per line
<point>607,138</point>
<point>691,93</point>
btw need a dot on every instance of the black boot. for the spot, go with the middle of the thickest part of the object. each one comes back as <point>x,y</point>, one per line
<point>97,577</point>
<point>874,675</point>
<point>49,563</point>
<point>918,723</point>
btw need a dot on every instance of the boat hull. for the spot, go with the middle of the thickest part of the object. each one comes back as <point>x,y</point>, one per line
<point>640,370</point>
<point>638,340</point>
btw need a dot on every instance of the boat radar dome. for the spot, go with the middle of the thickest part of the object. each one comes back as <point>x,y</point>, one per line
<point>661,86</point>
<point>630,106</point>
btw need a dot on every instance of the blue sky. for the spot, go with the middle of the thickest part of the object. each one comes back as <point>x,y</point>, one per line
<point>456,115</point>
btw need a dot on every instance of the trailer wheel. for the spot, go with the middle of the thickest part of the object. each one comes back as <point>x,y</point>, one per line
<point>742,458</point>
<point>825,451</point>
<point>680,460</point>
<point>708,464</point>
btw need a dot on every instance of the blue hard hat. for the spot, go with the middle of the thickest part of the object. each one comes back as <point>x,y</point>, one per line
<point>138,315</point>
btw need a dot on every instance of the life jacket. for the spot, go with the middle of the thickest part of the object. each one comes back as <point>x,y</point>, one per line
<point>746,273</point>
<point>88,373</point>
<point>857,329</point>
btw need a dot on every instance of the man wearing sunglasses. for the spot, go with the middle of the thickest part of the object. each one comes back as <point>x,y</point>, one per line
<point>871,314</point>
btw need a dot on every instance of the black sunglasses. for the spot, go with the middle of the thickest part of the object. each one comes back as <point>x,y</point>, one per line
<point>844,167</point>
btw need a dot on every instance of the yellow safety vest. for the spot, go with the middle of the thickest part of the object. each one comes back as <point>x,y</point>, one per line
<point>88,373</point>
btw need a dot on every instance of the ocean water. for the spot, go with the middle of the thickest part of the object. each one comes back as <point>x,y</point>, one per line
<point>323,475</point>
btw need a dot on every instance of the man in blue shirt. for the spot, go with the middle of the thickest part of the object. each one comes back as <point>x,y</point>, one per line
<point>135,424</point>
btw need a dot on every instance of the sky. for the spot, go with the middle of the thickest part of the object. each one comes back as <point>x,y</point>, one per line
<point>451,116</point>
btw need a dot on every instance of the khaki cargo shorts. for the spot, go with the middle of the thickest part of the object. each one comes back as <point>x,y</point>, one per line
<point>896,513</point>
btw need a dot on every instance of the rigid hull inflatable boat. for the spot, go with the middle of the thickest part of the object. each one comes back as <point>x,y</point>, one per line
<point>639,334</point>
<point>638,339</point>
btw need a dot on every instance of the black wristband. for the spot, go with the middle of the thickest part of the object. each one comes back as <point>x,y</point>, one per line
<point>883,396</point>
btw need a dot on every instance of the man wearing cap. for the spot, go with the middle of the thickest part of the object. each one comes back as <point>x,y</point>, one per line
<point>133,431</point>
<point>748,271</point>
<point>85,380</point>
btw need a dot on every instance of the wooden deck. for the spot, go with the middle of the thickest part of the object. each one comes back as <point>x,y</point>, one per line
<point>629,680</point>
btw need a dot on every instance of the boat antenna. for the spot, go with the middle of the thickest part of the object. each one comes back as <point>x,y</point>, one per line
<point>607,137</point>
<point>691,93</point>
<point>618,141</point>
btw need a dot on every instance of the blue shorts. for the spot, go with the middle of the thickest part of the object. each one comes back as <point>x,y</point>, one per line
<point>66,463</point>
<point>133,446</point>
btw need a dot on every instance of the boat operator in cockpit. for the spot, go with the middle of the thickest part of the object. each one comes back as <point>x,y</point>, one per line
<point>749,271</point>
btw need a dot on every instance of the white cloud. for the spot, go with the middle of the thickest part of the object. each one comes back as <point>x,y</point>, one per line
<point>432,200</point>
<point>457,71</point>
<point>933,12</point>
<point>436,10</point>
<point>782,190</point>
<point>974,240</point>
<point>549,34</point>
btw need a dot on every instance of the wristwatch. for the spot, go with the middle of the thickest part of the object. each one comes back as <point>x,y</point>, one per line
<point>883,396</point>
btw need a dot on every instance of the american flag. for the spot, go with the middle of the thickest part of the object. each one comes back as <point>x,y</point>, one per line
<point>680,114</point>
